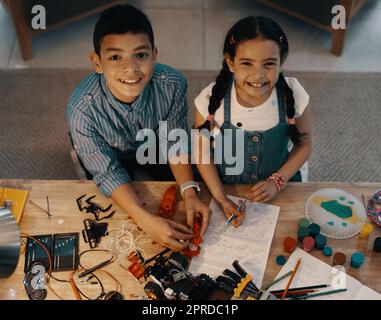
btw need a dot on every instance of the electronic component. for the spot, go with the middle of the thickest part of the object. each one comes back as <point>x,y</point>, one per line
<point>63,249</point>
<point>93,208</point>
<point>93,232</point>
<point>170,280</point>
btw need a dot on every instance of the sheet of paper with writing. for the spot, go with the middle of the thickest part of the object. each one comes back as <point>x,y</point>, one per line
<point>249,244</point>
<point>313,271</point>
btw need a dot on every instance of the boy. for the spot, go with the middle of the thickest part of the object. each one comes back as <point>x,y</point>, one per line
<point>129,92</point>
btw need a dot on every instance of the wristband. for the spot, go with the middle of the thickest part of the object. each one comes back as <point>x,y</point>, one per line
<point>278,180</point>
<point>189,184</point>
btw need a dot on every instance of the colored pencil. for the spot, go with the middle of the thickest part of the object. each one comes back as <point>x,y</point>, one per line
<point>296,292</point>
<point>302,288</point>
<point>319,294</point>
<point>277,280</point>
<point>291,278</point>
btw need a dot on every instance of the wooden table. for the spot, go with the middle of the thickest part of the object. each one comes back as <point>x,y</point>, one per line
<point>67,218</point>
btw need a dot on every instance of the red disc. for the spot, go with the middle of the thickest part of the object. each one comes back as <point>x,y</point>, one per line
<point>308,243</point>
<point>289,244</point>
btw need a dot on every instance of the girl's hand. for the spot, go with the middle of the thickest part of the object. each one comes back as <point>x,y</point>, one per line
<point>229,208</point>
<point>263,191</point>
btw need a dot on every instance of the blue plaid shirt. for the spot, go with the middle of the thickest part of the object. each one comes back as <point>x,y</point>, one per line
<point>102,127</point>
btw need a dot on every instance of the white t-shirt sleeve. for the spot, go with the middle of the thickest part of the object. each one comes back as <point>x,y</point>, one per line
<point>202,100</point>
<point>301,97</point>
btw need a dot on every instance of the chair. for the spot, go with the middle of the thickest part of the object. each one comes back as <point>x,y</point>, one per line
<point>319,13</point>
<point>58,13</point>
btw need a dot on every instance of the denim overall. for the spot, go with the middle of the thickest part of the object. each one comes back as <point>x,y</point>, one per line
<point>264,151</point>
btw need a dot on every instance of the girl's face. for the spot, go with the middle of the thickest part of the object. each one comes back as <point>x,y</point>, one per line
<point>256,68</point>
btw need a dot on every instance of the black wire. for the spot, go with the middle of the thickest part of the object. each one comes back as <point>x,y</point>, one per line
<point>92,274</point>
<point>91,250</point>
<point>101,285</point>
<point>59,280</point>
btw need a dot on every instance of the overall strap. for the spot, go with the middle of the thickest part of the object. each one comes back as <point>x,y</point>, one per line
<point>227,102</point>
<point>281,104</point>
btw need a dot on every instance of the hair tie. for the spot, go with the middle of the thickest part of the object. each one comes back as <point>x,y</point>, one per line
<point>232,40</point>
<point>210,117</point>
<point>291,121</point>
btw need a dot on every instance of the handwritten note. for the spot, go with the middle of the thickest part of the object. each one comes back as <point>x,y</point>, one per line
<point>313,271</point>
<point>249,244</point>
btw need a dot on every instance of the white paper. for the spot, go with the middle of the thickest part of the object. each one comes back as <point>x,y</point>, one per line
<point>249,244</point>
<point>313,271</point>
<point>366,293</point>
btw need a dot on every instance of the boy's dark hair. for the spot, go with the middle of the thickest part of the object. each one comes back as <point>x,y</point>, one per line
<point>121,19</point>
<point>247,29</point>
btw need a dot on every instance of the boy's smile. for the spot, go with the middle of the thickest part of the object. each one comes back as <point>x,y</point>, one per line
<point>127,61</point>
<point>256,67</point>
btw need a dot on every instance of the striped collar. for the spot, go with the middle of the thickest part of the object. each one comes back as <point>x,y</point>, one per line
<point>138,105</point>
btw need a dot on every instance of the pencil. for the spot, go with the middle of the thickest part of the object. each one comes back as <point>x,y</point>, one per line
<point>277,280</point>
<point>296,292</point>
<point>301,288</point>
<point>291,278</point>
<point>318,294</point>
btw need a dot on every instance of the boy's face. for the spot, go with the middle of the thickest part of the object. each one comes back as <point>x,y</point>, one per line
<point>127,61</point>
<point>256,68</point>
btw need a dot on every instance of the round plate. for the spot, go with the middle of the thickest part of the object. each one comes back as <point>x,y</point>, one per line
<point>339,214</point>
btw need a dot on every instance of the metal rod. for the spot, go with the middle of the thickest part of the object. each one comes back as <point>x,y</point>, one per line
<point>38,207</point>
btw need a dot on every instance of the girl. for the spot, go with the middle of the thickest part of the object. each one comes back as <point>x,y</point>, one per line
<point>252,95</point>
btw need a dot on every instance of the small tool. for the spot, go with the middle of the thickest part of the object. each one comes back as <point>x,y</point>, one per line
<point>230,219</point>
<point>242,204</point>
<point>47,203</point>
<point>42,209</point>
<point>234,216</point>
<point>98,266</point>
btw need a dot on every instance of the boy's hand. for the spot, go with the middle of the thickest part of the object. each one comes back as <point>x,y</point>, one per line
<point>194,206</point>
<point>168,233</point>
<point>262,191</point>
<point>229,208</point>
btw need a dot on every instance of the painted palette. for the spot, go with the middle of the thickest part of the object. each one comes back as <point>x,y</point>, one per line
<point>339,214</point>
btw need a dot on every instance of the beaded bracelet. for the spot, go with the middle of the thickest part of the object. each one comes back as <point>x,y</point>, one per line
<point>374,207</point>
<point>278,180</point>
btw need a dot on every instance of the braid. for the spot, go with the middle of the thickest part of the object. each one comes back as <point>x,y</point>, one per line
<point>290,108</point>
<point>218,92</point>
